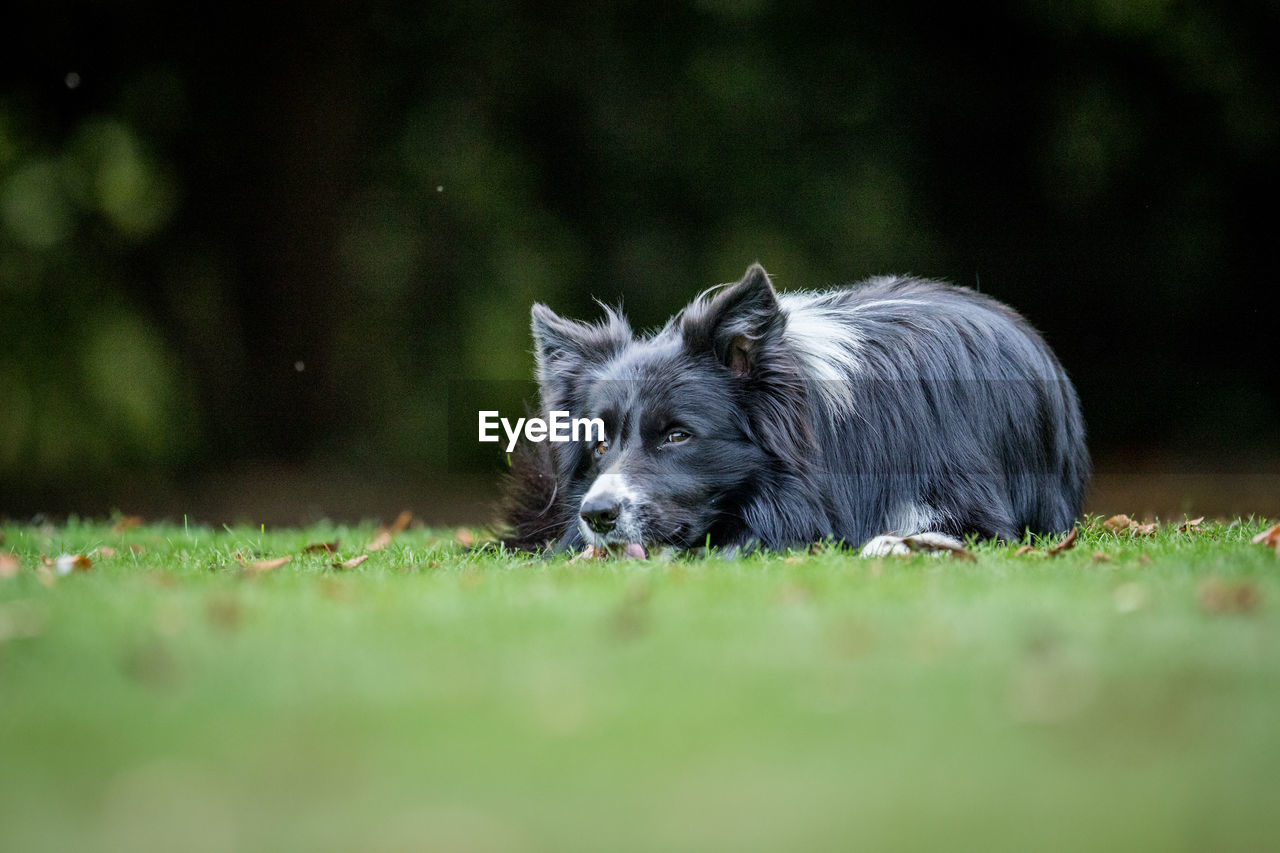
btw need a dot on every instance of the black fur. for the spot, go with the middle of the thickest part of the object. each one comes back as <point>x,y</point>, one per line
<point>892,406</point>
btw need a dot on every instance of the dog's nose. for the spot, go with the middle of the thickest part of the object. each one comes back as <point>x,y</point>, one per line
<point>601,516</point>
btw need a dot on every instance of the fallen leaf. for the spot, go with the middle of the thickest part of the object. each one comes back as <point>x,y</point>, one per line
<point>260,566</point>
<point>352,563</point>
<point>590,553</point>
<point>1065,544</point>
<point>46,576</point>
<point>1269,537</point>
<point>107,551</point>
<point>465,537</point>
<point>1136,529</point>
<point>1191,525</point>
<point>385,534</point>
<point>1144,560</point>
<point>321,548</point>
<point>65,564</point>
<point>1222,596</point>
<point>1117,523</point>
<point>924,543</point>
<point>1025,549</point>
<point>1101,557</point>
<point>9,564</point>
<point>126,522</point>
<point>137,549</point>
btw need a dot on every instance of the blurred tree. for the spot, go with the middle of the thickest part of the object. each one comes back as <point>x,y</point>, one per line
<point>232,232</point>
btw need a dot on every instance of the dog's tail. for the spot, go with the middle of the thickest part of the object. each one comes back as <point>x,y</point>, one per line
<point>531,505</point>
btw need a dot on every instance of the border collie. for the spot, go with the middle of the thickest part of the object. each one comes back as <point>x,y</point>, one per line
<point>867,414</point>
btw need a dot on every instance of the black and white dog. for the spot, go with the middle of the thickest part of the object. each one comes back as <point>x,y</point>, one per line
<point>754,418</point>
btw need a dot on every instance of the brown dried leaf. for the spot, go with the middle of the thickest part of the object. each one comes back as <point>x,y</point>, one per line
<point>1101,557</point>
<point>1222,596</point>
<point>9,564</point>
<point>106,551</point>
<point>1191,525</point>
<point>352,563</point>
<point>260,566</point>
<point>65,564</point>
<point>1269,537</point>
<point>321,548</point>
<point>126,522</point>
<point>1024,549</point>
<point>1066,543</point>
<point>465,537</point>
<point>1117,523</point>
<point>590,553</point>
<point>385,534</point>
<point>1136,529</point>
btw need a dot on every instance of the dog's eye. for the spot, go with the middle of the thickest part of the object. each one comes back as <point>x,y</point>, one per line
<point>601,448</point>
<point>676,436</point>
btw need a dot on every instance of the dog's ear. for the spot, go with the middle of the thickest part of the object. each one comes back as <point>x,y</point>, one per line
<point>735,322</point>
<point>564,349</point>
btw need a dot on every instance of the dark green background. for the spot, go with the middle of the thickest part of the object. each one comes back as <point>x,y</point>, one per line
<point>223,193</point>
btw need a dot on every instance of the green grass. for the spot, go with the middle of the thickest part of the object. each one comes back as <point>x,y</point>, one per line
<point>433,699</point>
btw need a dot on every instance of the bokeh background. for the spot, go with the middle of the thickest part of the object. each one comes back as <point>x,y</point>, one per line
<point>252,256</point>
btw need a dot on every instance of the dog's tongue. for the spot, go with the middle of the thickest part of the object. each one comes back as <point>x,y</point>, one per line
<point>634,550</point>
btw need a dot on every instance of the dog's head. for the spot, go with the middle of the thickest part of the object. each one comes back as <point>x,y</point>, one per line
<point>694,416</point>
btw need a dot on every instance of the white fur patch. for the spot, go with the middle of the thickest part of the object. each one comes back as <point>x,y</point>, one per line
<point>828,346</point>
<point>613,484</point>
<point>886,303</point>
<point>910,518</point>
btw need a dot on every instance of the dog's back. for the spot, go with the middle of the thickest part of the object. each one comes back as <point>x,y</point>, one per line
<point>936,408</point>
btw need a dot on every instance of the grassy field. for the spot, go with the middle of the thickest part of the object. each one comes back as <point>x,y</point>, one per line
<point>183,693</point>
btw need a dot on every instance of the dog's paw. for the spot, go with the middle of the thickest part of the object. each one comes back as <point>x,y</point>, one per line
<point>926,542</point>
<point>932,542</point>
<point>885,545</point>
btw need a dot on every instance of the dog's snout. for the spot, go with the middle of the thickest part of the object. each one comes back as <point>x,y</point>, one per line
<point>601,515</point>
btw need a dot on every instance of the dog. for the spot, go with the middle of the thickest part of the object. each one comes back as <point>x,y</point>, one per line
<point>897,407</point>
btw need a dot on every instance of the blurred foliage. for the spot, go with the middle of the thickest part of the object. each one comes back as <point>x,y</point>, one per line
<point>228,236</point>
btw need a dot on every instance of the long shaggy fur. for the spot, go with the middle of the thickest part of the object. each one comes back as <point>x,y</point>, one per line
<point>753,418</point>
